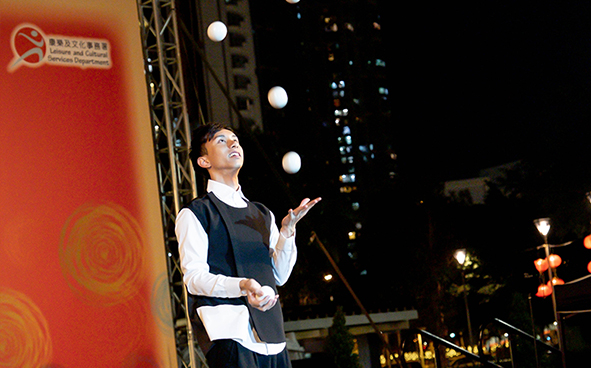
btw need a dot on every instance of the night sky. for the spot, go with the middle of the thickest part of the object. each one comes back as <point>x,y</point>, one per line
<point>486,83</point>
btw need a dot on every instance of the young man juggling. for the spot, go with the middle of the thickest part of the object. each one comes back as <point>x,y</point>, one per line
<point>230,248</point>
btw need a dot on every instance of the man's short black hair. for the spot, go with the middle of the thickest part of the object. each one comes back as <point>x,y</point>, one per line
<point>201,135</point>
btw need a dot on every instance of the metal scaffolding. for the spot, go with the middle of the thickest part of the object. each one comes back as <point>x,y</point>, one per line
<point>172,139</point>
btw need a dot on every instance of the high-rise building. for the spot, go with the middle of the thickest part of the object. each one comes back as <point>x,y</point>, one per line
<point>333,57</point>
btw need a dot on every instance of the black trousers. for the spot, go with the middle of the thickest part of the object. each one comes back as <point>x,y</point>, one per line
<point>230,354</point>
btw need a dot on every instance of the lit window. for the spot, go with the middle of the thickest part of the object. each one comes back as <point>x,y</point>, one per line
<point>347,189</point>
<point>346,130</point>
<point>383,91</point>
<point>331,27</point>
<point>380,62</point>
<point>348,139</point>
<point>352,235</point>
<point>347,178</point>
<point>349,27</point>
<point>355,206</point>
<point>342,84</point>
<point>333,85</point>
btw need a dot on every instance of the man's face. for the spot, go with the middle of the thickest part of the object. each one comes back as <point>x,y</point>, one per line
<point>223,152</point>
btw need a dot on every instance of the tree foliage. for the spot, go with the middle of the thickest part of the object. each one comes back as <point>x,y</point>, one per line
<point>340,343</point>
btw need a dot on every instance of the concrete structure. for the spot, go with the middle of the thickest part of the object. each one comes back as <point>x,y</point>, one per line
<point>307,336</point>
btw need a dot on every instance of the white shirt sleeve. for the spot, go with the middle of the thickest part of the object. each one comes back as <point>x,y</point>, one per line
<point>284,254</point>
<point>193,247</point>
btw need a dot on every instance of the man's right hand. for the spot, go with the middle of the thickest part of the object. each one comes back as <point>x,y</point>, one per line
<point>252,290</point>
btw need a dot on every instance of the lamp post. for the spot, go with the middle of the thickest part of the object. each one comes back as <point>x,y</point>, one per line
<point>543,226</point>
<point>460,257</point>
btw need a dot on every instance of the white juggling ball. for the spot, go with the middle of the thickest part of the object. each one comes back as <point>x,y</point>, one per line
<point>267,291</point>
<point>291,162</point>
<point>277,97</point>
<point>217,31</point>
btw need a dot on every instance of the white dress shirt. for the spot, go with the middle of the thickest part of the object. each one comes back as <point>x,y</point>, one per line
<point>227,321</point>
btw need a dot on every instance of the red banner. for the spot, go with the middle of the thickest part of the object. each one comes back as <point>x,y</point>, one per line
<point>82,265</point>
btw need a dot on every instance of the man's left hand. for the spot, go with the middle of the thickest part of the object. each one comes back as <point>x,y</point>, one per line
<point>289,222</point>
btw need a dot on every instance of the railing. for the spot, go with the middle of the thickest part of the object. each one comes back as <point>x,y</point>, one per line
<point>517,331</point>
<point>538,345</point>
<point>475,359</point>
<point>441,341</point>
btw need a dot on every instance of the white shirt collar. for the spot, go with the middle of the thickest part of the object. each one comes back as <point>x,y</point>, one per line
<point>227,194</point>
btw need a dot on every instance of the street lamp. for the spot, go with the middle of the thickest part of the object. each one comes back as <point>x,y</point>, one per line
<point>460,257</point>
<point>543,226</point>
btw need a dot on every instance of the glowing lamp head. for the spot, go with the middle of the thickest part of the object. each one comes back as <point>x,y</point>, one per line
<point>543,226</point>
<point>587,242</point>
<point>460,256</point>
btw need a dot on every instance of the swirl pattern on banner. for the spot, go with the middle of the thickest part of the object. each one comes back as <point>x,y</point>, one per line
<point>161,308</point>
<point>24,334</point>
<point>102,254</point>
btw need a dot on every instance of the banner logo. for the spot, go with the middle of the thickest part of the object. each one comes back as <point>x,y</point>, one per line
<point>32,48</point>
<point>29,46</point>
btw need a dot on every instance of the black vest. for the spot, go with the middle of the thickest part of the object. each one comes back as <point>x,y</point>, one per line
<point>239,247</point>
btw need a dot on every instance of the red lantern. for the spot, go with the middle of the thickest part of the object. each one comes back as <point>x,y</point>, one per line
<point>554,260</point>
<point>589,267</point>
<point>541,265</point>
<point>544,290</point>
<point>556,281</point>
<point>587,242</point>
